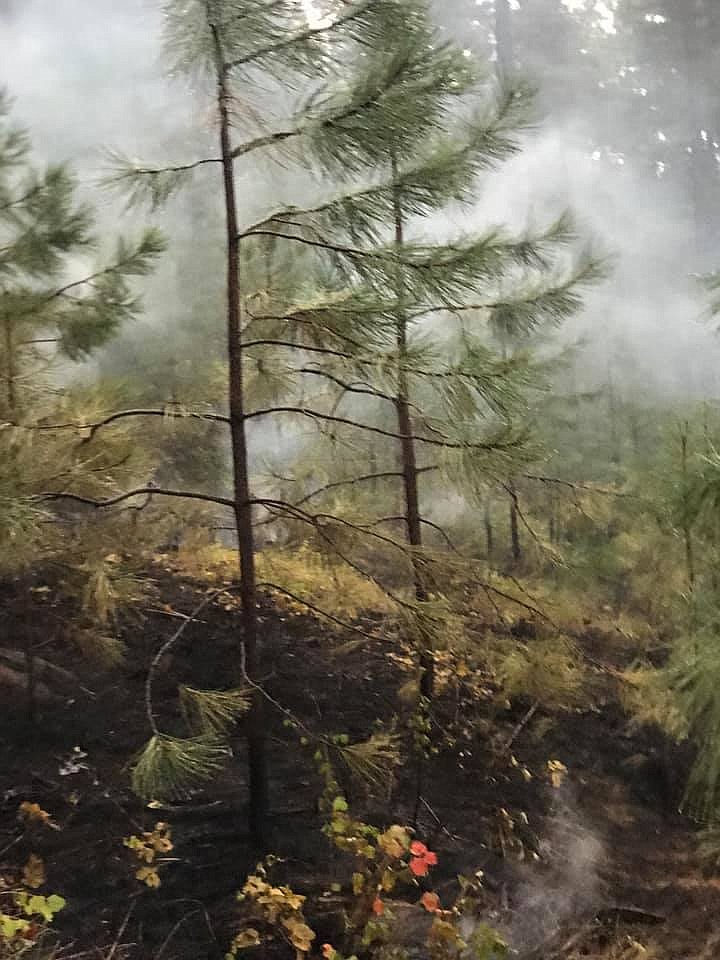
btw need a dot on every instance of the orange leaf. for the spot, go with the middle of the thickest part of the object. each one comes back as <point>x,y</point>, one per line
<point>328,951</point>
<point>431,859</point>
<point>418,849</point>
<point>431,902</point>
<point>378,907</point>
<point>33,873</point>
<point>419,867</point>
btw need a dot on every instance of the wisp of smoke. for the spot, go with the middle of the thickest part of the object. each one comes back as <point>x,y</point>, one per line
<point>564,888</point>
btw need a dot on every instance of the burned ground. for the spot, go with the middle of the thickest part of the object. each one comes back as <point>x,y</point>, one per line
<point>584,868</point>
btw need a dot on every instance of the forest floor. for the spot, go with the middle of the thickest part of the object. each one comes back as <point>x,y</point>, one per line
<point>599,866</point>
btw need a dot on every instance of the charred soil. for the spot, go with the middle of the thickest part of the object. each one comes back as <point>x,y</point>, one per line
<point>592,866</point>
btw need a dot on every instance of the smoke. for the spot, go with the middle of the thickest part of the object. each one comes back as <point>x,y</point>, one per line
<point>89,75</point>
<point>651,310</point>
<point>563,889</point>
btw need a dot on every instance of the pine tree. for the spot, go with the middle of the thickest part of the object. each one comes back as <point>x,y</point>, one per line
<point>51,315</point>
<point>44,311</point>
<point>398,128</point>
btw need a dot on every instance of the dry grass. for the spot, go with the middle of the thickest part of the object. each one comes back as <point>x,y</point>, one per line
<point>332,586</point>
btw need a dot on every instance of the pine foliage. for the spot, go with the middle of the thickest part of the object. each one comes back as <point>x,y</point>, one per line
<point>213,711</point>
<point>169,768</point>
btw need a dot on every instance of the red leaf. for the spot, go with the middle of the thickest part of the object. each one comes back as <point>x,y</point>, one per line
<point>418,849</point>
<point>431,902</point>
<point>419,867</point>
<point>431,859</point>
<point>378,907</point>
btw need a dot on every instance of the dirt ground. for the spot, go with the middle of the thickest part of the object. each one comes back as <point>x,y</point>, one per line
<point>600,866</point>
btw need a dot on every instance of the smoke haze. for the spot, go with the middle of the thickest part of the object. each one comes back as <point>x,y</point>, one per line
<point>89,75</point>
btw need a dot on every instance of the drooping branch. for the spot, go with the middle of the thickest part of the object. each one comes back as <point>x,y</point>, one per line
<point>409,368</point>
<point>428,523</point>
<point>124,414</point>
<point>332,247</point>
<point>178,168</point>
<point>129,494</point>
<point>365,389</point>
<point>165,649</point>
<point>301,36</point>
<point>574,486</point>
<point>369,428</point>
<point>266,585</point>
<point>85,281</point>
<point>319,521</point>
<point>369,391</point>
<point>351,481</point>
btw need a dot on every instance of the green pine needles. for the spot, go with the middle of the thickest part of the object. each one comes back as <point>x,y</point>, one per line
<point>213,711</point>
<point>45,311</point>
<point>170,768</point>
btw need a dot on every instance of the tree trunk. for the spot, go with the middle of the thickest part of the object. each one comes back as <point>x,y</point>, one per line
<point>504,39</point>
<point>257,758</point>
<point>612,415</point>
<point>489,533</point>
<point>10,394</point>
<point>515,548</point>
<point>413,519</point>
<point>687,530</point>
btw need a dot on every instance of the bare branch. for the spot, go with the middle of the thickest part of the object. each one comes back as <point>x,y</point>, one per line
<point>428,523</point>
<point>317,415</point>
<point>301,36</point>
<point>123,414</point>
<point>574,486</point>
<point>270,140</point>
<point>179,168</point>
<point>140,491</point>
<point>351,481</point>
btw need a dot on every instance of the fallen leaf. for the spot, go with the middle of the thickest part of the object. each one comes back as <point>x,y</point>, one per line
<point>431,902</point>
<point>34,872</point>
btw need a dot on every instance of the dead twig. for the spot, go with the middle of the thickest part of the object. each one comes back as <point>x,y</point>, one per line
<point>519,728</point>
<point>121,932</point>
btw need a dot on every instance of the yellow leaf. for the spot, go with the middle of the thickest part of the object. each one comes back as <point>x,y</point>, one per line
<point>388,881</point>
<point>358,883</point>
<point>249,937</point>
<point>162,844</point>
<point>394,842</point>
<point>254,887</point>
<point>558,771</point>
<point>34,872</point>
<point>301,936</point>
<point>33,812</point>
<point>149,876</point>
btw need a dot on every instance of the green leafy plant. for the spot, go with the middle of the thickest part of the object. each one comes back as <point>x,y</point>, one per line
<point>26,915</point>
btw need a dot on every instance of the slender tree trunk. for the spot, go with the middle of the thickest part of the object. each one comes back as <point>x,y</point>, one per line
<point>634,431</point>
<point>612,413</point>
<point>515,548</point>
<point>489,533</point>
<point>10,372</point>
<point>373,463</point>
<point>687,530</point>
<point>504,39</point>
<point>257,757</point>
<point>409,461</point>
